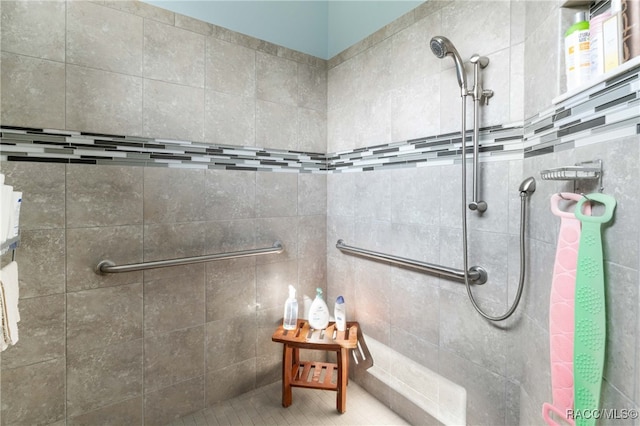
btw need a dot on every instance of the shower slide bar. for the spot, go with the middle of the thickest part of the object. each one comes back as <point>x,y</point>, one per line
<point>476,274</point>
<point>108,267</point>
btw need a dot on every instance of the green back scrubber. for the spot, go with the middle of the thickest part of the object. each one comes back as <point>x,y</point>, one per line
<point>590,314</point>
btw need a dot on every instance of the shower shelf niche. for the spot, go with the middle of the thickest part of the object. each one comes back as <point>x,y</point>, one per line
<point>587,170</point>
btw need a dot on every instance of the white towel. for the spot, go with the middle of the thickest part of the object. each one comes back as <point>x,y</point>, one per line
<point>10,294</point>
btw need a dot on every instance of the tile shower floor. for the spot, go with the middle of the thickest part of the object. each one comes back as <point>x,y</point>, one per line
<point>263,406</point>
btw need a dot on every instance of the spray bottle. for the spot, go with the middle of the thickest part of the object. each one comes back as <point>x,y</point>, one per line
<point>290,321</point>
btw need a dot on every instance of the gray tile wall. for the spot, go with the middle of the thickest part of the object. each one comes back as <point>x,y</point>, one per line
<point>416,212</point>
<point>145,347</point>
<point>148,347</point>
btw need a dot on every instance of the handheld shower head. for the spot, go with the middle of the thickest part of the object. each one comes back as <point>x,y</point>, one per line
<point>441,47</point>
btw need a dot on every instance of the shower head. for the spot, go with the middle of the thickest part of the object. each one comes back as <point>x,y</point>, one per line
<point>441,47</point>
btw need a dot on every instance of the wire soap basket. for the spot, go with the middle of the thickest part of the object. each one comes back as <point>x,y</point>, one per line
<point>586,170</point>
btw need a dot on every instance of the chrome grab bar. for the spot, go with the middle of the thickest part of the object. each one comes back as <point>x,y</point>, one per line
<point>476,274</point>
<point>108,267</point>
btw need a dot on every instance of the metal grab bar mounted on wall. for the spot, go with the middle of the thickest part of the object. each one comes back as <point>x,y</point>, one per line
<point>476,274</point>
<point>108,267</point>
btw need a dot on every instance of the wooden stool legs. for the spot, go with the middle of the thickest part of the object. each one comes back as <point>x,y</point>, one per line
<point>315,374</point>
<point>287,367</point>
<point>290,362</point>
<point>343,377</point>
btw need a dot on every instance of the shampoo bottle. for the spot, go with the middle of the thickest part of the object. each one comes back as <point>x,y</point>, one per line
<point>319,312</point>
<point>577,55</point>
<point>339,314</point>
<point>290,321</point>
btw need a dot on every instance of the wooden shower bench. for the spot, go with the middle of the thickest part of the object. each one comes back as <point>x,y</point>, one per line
<point>316,375</point>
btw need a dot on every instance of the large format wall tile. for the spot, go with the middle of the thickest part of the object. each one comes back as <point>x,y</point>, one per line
<point>100,377</point>
<point>173,111</point>
<point>174,401</point>
<point>229,119</point>
<point>173,55</point>
<point>312,130</point>
<point>485,390</point>
<point>272,281</point>
<point>41,332</point>
<point>475,28</point>
<point>41,258</point>
<point>230,381</point>
<point>35,28</point>
<point>142,9</point>
<point>621,305</point>
<point>230,235</point>
<point>418,295</point>
<point>230,68</point>
<point>173,357</point>
<point>43,188</point>
<point>103,317</point>
<point>230,288</point>
<point>462,333</point>
<point>312,88</point>
<point>276,125</point>
<point>312,236</point>
<point>168,195</point>
<point>276,194</point>
<point>128,412</point>
<point>174,299</point>
<point>312,194</point>
<point>104,38</point>
<point>276,79</point>
<point>86,247</point>
<point>24,403</point>
<point>229,194</point>
<point>230,341</point>
<point>172,241</point>
<point>32,92</point>
<point>101,101</point>
<point>104,196</point>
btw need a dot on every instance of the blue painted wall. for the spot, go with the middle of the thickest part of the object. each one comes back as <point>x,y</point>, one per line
<point>351,21</point>
<point>321,28</point>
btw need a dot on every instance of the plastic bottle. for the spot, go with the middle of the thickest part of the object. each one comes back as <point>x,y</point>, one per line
<point>319,312</point>
<point>306,300</point>
<point>16,201</point>
<point>290,321</point>
<point>340,314</point>
<point>577,54</point>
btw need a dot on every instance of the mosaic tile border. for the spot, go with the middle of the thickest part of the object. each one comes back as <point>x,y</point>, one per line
<point>606,111</point>
<point>498,143</point>
<point>59,146</point>
<point>609,110</point>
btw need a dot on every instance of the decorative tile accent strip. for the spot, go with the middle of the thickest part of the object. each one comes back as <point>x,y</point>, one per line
<point>606,111</point>
<point>497,143</point>
<point>60,146</point>
<point>609,110</point>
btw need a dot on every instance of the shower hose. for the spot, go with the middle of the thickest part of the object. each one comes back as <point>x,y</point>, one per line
<point>523,200</point>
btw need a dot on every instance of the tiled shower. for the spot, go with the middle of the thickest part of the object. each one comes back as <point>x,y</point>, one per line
<point>197,140</point>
